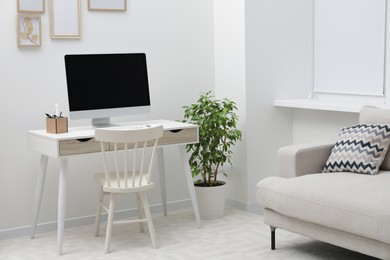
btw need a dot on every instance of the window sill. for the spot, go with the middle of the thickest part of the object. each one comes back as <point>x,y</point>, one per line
<point>326,105</point>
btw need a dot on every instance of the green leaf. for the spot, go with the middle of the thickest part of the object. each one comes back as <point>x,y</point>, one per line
<point>218,133</point>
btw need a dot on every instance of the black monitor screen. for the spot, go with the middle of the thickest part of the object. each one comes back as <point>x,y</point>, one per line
<point>105,81</point>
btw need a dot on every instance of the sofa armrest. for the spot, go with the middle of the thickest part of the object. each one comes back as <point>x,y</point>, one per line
<point>297,160</point>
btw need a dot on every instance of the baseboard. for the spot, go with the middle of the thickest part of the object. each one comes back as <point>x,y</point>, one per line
<point>89,220</point>
<point>128,213</point>
<point>246,206</point>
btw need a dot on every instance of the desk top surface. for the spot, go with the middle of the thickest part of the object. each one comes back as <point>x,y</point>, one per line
<point>89,131</point>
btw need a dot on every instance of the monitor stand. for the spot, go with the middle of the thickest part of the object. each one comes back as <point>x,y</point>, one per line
<point>101,122</point>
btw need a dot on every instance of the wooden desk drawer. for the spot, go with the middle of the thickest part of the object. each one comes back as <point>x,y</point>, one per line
<point>90,145</point>
<point>79,146</point>
<point>188,135</point>
<point>171,137</point>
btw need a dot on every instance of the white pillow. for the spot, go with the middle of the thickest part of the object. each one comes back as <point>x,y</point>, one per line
<point>359,149</point>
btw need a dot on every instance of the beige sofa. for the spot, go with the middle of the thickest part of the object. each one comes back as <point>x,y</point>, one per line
<point>345,209</point>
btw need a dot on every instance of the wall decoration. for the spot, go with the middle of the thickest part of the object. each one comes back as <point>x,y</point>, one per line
<point>107,5</point>
<point>29,31</point>
<point>65,18</point>
<point>31,6</point>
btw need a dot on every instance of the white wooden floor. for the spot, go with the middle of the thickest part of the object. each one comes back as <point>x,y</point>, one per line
<point>238,235</point>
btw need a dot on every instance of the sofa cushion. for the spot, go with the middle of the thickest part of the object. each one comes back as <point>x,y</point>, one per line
<point>359,149</point>
<point>371,115</point>
<point>354,203</point>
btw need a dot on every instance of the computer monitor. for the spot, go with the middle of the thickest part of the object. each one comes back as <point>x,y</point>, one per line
<point>101,86</point>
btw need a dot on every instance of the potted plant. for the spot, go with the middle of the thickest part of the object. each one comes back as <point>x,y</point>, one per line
<point>217,121</point>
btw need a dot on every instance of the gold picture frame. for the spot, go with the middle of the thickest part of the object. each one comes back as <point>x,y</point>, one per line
<point>107,5</point>
<point>29,31</point>
<point>31,6</point>
<point>65,19</point>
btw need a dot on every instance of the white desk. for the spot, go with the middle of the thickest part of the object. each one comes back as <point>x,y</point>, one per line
<point>80,141</point>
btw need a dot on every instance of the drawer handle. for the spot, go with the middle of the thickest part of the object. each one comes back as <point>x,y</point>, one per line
<point>83,140</point>
<point>175,131</point>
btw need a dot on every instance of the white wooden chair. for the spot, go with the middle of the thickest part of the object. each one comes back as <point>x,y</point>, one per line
<point>127,177</point>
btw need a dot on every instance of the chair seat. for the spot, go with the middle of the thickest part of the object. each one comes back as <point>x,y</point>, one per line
<point>101,179</point>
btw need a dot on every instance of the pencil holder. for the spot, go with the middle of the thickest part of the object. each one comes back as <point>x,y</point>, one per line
<point>57,125</point>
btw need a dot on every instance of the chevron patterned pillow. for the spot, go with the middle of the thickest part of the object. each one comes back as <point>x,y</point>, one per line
<point>359,149</point>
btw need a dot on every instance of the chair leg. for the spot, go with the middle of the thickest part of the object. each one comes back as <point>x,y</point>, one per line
<point>109,223</point>
<point>140,212</point>
<point>99,210</point>
<point>273,237</point>
<point>149,218</point>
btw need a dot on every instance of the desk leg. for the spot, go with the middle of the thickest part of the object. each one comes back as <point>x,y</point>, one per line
<point>62,203</point>
<point>190,182</point>
<point>161,170</point>
<point>38,193</point>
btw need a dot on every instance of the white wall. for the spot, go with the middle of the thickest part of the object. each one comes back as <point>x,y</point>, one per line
<point>263,51</point>
<point>177,36</point>
<point>230,82</point>
<point>320,126</point>
<point>278,64</point>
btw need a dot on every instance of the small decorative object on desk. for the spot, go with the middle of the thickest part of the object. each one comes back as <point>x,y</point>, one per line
<point>56,123</point>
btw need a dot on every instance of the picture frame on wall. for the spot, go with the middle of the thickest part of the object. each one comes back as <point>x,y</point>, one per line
<point>29,31</point>
<point>65,19</point>
<point>107,5</point>
<point>31,6</point>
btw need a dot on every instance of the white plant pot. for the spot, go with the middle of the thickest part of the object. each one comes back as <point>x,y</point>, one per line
<point>211,201</point>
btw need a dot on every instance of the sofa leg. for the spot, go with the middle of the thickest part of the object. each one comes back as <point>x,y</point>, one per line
<point>273,237</point>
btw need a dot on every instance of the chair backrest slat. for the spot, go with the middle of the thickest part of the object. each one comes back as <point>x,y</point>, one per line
<point>152,159</point>
<point>125,166</point>
<point>117,173</point>
<point>142,142</point>
<point>141,171</point>
<point>106,173</point>
<point>134,170</point>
